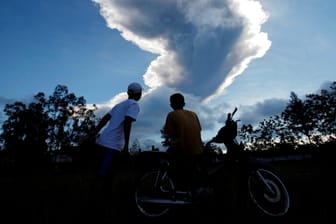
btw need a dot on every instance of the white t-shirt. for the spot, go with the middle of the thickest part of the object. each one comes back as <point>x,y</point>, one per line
<point>113,135</point>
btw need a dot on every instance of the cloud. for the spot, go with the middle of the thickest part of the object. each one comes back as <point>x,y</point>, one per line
<point>202,45</point>
<point>262,110</point>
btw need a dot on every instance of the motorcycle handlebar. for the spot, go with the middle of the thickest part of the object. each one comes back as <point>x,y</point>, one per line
<point>234,111</point>
<point>230,115</point>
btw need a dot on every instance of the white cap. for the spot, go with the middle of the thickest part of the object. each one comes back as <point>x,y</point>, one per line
<point>134,88</point>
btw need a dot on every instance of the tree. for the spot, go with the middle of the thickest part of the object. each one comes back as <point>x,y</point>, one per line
<point>300,117</point>
<point>69,118</point>
<point>325,104</point>
<point>47,124</point>
<point>266,130</point>
<point>24,133</point>
<point>13,132</point>
<point>309,121</point>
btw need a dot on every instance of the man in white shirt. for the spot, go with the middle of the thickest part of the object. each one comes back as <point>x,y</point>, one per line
<point>114,139</point>
<point>110,144</point>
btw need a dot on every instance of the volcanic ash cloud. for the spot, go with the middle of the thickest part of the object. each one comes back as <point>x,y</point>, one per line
<point>202,45</point>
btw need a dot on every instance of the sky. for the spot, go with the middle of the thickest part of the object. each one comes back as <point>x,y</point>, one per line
<point>220,54</point>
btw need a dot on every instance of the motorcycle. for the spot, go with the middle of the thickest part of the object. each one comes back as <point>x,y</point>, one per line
<point>158,192</point>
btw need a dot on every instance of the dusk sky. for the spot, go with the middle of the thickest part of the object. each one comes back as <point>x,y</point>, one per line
<point>219,53</point>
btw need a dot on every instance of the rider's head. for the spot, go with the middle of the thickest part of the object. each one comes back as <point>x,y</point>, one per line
<point>177,101</point>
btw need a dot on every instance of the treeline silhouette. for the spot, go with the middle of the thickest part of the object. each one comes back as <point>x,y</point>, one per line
<point>304,123</point>
<point>33,132</point>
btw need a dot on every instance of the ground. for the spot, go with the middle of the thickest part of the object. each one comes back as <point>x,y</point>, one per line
<point>64,197</point>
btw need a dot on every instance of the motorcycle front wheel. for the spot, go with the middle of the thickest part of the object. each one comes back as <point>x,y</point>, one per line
<point>147,196</point>
<point>268,192</point>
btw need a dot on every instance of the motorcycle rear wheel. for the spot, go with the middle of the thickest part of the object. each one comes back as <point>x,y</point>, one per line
<point>274,203</point>
<point>145,190</point>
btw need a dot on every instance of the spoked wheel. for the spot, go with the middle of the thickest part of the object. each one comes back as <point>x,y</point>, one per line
<point>147,197</point>
<point>268,193</point>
